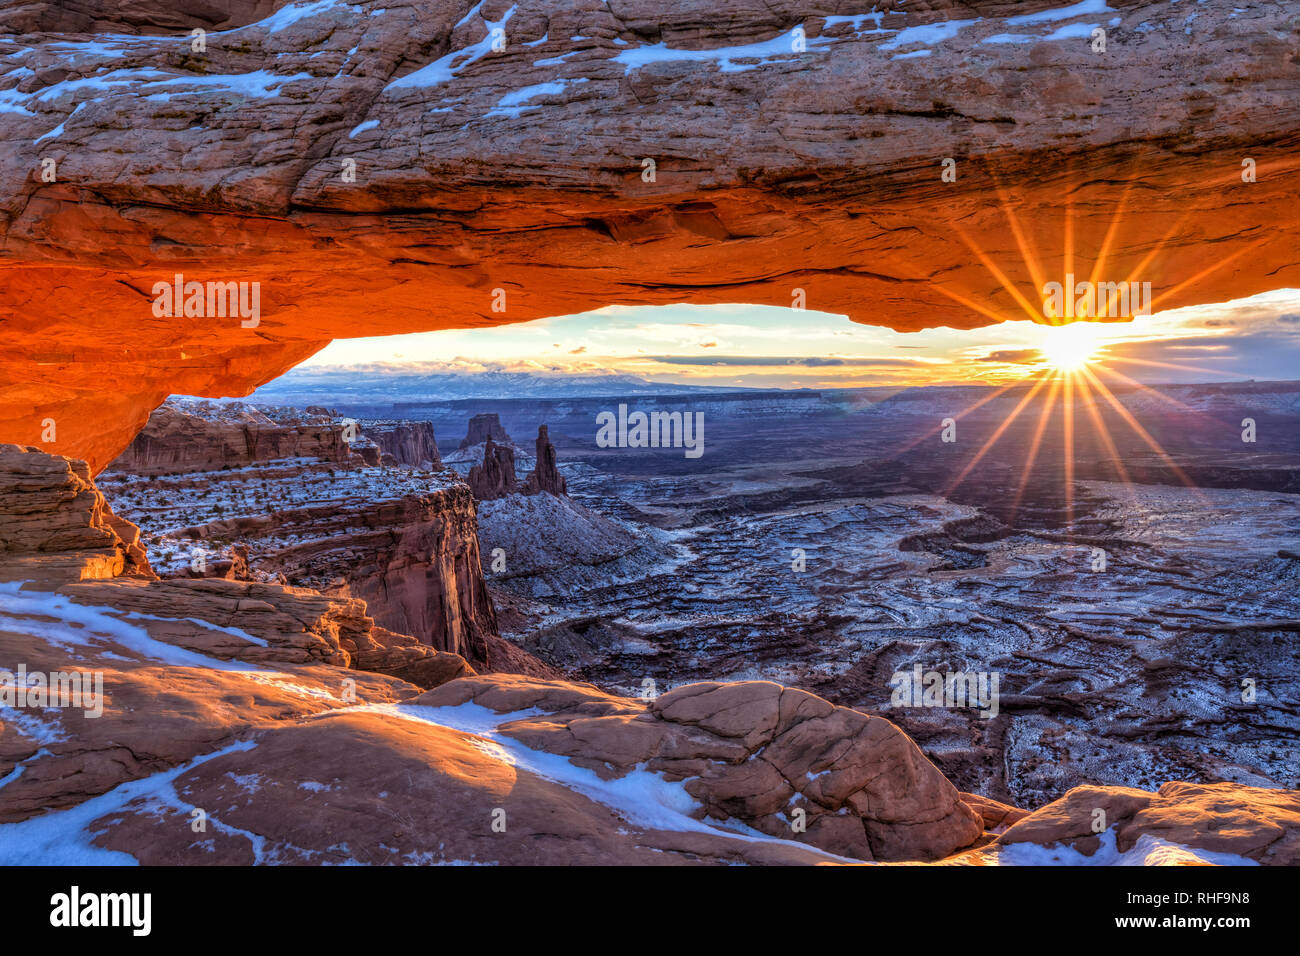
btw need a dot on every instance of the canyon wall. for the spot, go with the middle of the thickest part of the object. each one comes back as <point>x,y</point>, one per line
<point>414,561</point>
<point>173,442</point>
<point>408,443</point>
<point>403,540</point>
<point>58,534</point>
<point>378,167</point>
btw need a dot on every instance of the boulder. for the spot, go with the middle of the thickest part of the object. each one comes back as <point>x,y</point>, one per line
<point>1249,822</point>
<point>780,760</point>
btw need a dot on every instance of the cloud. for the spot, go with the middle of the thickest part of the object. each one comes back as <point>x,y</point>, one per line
<point>1266,354</point>
<point>1256,338</point>
<point>1013,357</point>
<point>801,361</point>
<point>1177,346</point>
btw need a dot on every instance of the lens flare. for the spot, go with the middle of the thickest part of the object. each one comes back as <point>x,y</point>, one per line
<point>1072,347</point>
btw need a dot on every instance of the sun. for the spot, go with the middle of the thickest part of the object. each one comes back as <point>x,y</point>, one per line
<point>1072,347</point>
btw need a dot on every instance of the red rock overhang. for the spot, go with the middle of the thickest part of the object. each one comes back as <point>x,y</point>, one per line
<point>522,170</point>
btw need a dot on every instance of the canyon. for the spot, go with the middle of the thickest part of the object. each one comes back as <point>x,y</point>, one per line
<point>338,645</point>
<point>825,542</point>
<point>309,144</point>
<point>313,513</point>
<point>243,702</point>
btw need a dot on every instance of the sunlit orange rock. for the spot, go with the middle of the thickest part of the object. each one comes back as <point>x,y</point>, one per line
<point>55,523</point>
<point>1250,822</point>
<point>383,169</point>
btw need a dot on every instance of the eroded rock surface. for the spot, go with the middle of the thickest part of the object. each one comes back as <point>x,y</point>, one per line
<point>494,477</point>
<point>378,167</point>
<point>309,512</point>
<point>54,521</point>
<point>775,758</point>
<point>59,535</point>
<point>185,437</point>
<point>545,475</point>
<point>406,443</point>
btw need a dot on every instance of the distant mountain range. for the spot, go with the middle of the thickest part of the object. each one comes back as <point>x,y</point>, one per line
<point>330,385</point>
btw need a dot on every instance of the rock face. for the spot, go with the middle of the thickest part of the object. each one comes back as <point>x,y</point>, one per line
<point>495,477</point>
<point>94,558</point>
<point>483,428</point>
<point>382,169</point>
<point>545,475</point>
<point>83,16</point>
<point>54,521</point>
<point>404,541</point>
<point>406,443</point>
<point>414,560</point>
<point>182,437</point>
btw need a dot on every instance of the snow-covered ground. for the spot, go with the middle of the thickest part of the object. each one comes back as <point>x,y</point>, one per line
<point>223,502</point>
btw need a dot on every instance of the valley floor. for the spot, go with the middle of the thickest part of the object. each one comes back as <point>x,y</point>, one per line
<point>1139,632</point>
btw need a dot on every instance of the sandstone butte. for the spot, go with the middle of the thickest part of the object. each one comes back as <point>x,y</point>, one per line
<point>379,167</point>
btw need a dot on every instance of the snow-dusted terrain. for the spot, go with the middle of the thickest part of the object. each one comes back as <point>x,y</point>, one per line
<point>1128,607</point>
<point>181,516</point>
<point>831,551</point>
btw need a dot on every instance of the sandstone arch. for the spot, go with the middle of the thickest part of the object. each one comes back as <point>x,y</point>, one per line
<point>521,170</point>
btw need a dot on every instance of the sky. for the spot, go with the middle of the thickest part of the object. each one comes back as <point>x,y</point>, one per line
<point>771,347</point>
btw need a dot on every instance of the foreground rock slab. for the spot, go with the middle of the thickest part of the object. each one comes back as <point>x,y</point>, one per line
<point>1248,822</point>
<point>778,759</point>
<point>314,764</point>
<point>390,774</point>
